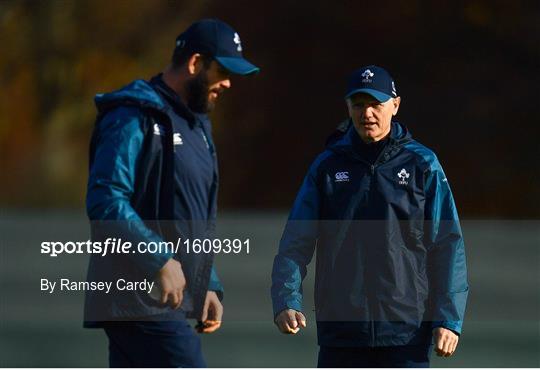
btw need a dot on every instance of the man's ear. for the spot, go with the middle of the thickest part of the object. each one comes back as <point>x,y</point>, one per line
<point>195,64</point>
<point>397,101</point>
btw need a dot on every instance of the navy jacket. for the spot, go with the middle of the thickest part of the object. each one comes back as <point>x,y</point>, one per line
<point>153,177</point>
<point>390,253</point>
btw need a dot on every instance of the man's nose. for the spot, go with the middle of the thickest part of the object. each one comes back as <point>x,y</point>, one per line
<point>226,84</point>
<point>367,112</point>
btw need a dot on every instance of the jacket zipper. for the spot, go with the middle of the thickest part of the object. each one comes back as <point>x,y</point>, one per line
<point>371,296</point>
<point>372,166</point>
<point>370,293</point>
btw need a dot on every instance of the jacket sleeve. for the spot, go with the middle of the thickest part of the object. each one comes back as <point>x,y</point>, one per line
<point>296,247</point>
<point>446,265</point>
<point>111,184</point>
<point>215,284</point>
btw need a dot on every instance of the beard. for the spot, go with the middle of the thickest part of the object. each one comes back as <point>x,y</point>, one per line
<point>197,91</point>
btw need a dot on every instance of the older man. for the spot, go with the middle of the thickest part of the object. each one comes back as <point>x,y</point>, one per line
<point>391,272</point>
<point>153,178</point>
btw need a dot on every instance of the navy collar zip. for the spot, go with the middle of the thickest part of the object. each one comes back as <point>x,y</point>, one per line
<point>173,99</point>
<point>193,119</point>
<point>399,135</point>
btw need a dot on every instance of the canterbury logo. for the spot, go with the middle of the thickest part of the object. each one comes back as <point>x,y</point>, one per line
<point>177,139</point>
<point>158,130</point>
<point>342,176</point>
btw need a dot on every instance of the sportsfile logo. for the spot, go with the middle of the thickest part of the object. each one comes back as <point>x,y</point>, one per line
<point>403,175</point>
<point>342,176</point>
<point>367,75</point>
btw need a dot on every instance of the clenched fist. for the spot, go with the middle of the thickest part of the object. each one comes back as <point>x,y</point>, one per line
<point>445,342</point>
<point>172,283</point>
<point>289,321</point>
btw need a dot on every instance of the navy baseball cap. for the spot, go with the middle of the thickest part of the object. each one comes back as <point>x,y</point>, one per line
<point>372,80</point>
<point>218,40</point>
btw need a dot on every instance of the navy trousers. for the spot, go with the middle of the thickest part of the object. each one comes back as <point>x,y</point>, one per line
<point>397,356</point>
<point>154,344</point>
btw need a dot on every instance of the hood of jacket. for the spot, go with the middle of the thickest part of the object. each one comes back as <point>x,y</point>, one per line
<point>138,93</point>
<point>147,95</point>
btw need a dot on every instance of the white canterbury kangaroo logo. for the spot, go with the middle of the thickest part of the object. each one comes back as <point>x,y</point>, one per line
<point>342,176</point>
<point>157,129</point>
<point>177,139</point>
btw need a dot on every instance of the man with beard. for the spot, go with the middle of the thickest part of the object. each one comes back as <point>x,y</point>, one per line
<point>153,178</point>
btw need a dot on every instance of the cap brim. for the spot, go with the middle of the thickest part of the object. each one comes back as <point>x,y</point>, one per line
<point>381,97</point>
<point>237,66</point>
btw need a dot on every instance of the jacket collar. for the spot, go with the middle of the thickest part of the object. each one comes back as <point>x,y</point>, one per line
<point>399,135</point>
<point>174,100</point>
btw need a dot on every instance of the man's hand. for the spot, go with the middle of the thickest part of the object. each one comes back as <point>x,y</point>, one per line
<point>445,342</point>
<point>172,282</point>
<point>212,313</point>
<point>289,321</point>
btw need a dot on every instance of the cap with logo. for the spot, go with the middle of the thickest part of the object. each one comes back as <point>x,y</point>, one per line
<point>218,40</point>
<point>372,80</point>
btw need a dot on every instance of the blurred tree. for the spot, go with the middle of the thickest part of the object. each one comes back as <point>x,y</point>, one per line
<point>466,71</point>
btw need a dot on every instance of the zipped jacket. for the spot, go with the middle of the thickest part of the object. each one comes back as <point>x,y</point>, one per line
<point>152,178</point>
<point>390,254</point>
